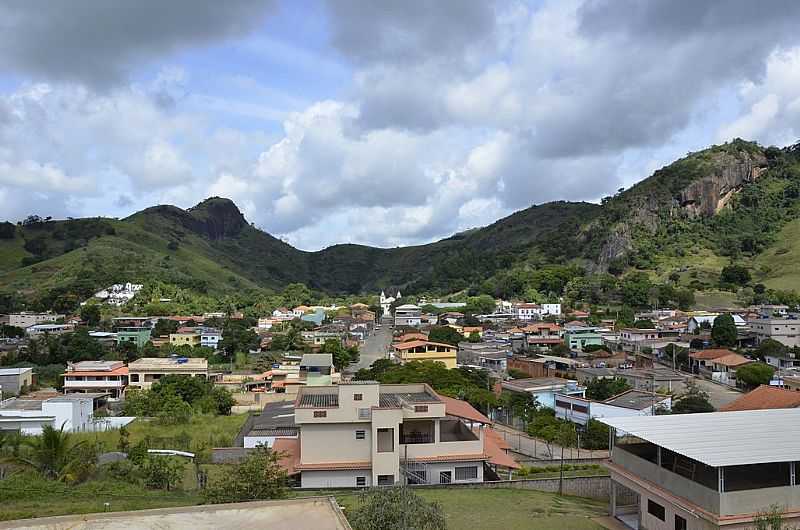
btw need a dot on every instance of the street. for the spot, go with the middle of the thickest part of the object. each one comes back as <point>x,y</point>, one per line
<point>718,395</point>
<point>375,347</point>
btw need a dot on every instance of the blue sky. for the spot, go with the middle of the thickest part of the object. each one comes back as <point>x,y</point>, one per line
<point>376,122</point>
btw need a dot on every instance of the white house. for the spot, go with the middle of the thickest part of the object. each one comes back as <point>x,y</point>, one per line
<point>29,416</point>
<point>630,403</point>
<point>698,321</point>
<point>210,337</point>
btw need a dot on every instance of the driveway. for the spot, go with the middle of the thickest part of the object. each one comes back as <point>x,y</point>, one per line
<point>375,347</point>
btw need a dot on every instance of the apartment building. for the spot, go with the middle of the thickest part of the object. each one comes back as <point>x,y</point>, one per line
<point>424,350</point>
<point>784,330</point>
<point>368,434</point>
<point>26,319</point>
<point>96,376</point>
<point>137,335</point>
<point>143,372</point>
<point>408,315</point>
<point>705,471</point>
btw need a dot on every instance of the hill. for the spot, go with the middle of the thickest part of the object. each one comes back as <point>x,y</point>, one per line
<point>730,203</point>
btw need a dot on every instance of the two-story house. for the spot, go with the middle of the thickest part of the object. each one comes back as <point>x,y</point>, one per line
<point>96,376</point>
<point>784,330</point>
<point>142,373</point>
<point>407,315</point>
<point>705,471</point>
<point>424,350</point>
<point>369,434</point>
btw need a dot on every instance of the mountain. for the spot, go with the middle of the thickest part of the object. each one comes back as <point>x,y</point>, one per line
<point>727,203</point>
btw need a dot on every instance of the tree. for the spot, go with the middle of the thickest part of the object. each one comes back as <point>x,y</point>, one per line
<point>445,334</point>
<point>164,326</point>
<point>735,275</point>
<point>755,374</point>
<point>596,435</point>
<point>397,507</point>
<point>693,400</point>
<point>91,315</point>
<point>770,519</point>
<point>625,317</point>
<point>174,411</point>
<point>603,388</point>
<point>771,348</point>
<point>644,323</point>
<point>480,304</point>
<point>162,472</point>
<point>54,455</point>
<point>723,332</point>
<point>259,476</point>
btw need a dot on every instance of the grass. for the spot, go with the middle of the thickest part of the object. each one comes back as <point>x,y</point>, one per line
<point>501,508</point>
<point>777,267</point>
<point>705,300</point>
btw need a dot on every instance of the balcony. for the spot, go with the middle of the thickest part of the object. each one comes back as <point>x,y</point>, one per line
<point>93,384</point>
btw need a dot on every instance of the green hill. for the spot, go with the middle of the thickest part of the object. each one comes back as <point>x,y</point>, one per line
<point>736,202</point>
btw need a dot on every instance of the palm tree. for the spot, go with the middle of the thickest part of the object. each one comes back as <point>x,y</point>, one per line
<point>54,455</point>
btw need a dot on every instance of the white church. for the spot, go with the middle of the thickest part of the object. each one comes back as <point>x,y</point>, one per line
<point>387,302</point>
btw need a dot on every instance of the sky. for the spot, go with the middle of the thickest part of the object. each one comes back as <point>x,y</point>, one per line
<point>379,122</point>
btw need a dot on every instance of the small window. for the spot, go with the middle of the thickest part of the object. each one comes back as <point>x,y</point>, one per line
<point>361,481</point>
<point>420,408</point>
<point>134,378</point>
<point>680,523</point>
<point>385,480</point>
<point>320,413</point>
<point>358,397</point>
<point>466,473</point>
<point>360,435</point>
<point>654,509</point>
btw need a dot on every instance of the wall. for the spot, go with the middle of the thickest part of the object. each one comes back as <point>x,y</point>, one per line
<point>335,443</point>
<point>333,479</point>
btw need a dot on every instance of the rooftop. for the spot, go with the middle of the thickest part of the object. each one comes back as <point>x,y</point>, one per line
<point>310,401</point>
<point>189,363</point>
<point>635,399</point>
<point>317,359</point>
<point>417,343</point>
<point>14,371</point>
<point>721,438</point>
<point>711,354</point>
<point>396,399</point>
<point>534,383</point>
<point>764,397</point>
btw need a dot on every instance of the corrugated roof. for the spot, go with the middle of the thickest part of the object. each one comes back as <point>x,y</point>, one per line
<point>721,438</point>
<point>318,400</point>
<point>317,359</point>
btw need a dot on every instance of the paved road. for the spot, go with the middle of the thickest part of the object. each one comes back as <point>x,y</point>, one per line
<point>718,394</point>
<point>375,347</point>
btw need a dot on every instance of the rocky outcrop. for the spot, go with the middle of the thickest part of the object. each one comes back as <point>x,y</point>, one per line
<point>217,218</point>
<point>707,196</point>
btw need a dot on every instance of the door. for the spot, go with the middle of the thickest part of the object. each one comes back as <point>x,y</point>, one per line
<point>445,477</point>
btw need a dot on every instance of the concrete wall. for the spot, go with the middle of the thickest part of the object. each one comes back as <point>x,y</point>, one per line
<point>334,479</point>
<point>335,442</point>
<point>11,384</point>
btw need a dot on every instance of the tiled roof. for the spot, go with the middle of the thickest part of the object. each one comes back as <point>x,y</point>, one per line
<point>310,401</point>
<point>289,450</point>
<point>462,409</point>
<point>764,397</point>
<point>732,360</point>
<point>324,466</point>
<point>707,355</point>
<point>495,448</point>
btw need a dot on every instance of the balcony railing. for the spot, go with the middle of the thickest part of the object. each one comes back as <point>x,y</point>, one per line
<point>416,438</point>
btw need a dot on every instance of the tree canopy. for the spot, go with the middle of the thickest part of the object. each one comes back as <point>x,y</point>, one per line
<point>755,374</point>
<point>723,332</point>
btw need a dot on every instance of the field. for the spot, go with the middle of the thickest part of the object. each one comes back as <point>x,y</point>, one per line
<point>777,267</point>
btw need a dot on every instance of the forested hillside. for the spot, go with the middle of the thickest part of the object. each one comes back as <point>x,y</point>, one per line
<point>735,204</point>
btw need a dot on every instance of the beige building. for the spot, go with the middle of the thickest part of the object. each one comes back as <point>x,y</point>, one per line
<point>423,350</point>
<point>191,338</point>
<point>96,376</point>
<point>784,330</point>
<point>704,471</point>
<point>144,372</point>
<point>25,319</point>
<point>367,434</point>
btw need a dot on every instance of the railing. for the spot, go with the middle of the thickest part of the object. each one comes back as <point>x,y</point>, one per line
<point>416,438</point>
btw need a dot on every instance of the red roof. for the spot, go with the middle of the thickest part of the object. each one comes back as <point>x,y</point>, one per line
<point>707,355</point>
<point>496,448</point>
<point>462,409</point>
<point>764,397</point>
<point>290,457</point>
<point>733,360</point>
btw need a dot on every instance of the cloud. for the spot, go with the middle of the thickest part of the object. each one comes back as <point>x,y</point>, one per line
<point>100,43</point>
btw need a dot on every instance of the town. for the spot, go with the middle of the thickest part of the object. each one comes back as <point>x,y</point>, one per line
<point>405,390</point>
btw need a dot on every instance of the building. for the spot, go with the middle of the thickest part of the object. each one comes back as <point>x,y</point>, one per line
<point>143,372</point>
<point>699,321</point>
<point>29,416</point>
<point>136,335</point>
<point>38,330</point>
<point>705,471</point>
<point>109,377</point>
<point>367,434</point>
<point>527,311</point>
<point>27,319</point>
<point>718,364</point>
<point>578,338</point>
<point>423,350</point>
<point>544,389</point>
<point>13,380</point>
<point>318,337</point>
<point>185,337</point>
<point>534,367</point>
<point>650,379</point>
<point>630,403</point>
<point>771,310</point>
<point>210,337</point>
<point>764,397</point>
<point>783,330</point>
<point>316,369</point>
<point>407,315</point>
<point>386,303</point>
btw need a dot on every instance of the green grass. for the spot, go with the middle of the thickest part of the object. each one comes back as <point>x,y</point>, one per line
<point>11,253</point>
<point>777,266</point>
<point>705,300</point>
<point>502,509</point>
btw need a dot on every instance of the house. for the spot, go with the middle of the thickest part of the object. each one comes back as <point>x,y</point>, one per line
<point>533,367</point>
<point>316,317</point>
<point>701,320</point>
<point>137,335</point>
<point>210,337</point>
<point>704,471</point>
<point>109,377</point>
<point>771,310</point>
<point>650,379</point>
<point>718,364</point>
<point>301,310</point>
<point>185,337</point>
<point>543,334</point>
<point>276,421</point>
<point>26,319</point>
<point>544,389</point>
<point>630,403</point>
<point>407,315</point>
<point>142,373</point>
<point>578,338</point>
<point>468,331</point>
<point>105,338</point>
<point>29,416</point>
<point>764,397</point>
<point>14,380</point>
<point>526,311</point>
<point>366,434</point>
<point>38,330</point>
<point>424,350</point>
<point>283,314</point>
<point>413,335</point>
<point>318,337</point>
<point>316,369</point>
<point>783,330</point>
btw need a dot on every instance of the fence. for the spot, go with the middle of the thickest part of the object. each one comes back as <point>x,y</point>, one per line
<point>539,450</point>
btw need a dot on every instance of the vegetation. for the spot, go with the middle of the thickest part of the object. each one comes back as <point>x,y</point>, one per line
<point>397,507</point>
<point>56,456</point>
<point>600,389</point>
<point>723,332</point>
<point>692,400</point>
<point>258,477</point>
<point>446,334</point>
<point>175,398</point>
<point>754,374</point>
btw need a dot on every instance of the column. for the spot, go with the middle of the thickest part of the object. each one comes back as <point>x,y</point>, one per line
<point>613,498</point>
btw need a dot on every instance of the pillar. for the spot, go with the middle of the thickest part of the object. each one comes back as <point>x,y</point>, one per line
<point>613,498</point>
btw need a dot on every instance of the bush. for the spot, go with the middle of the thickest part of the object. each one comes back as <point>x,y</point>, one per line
<point>258,477</point>
<point>755,374</point>
<point>162,472</point>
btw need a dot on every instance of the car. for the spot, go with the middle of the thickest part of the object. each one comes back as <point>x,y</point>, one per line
<point>625,366</point>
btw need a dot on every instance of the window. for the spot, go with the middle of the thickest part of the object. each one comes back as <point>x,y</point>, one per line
<point>654,509</point>
<point>562,404</point>
<point>363,414</point>
<point>358,397</point>
<point>134,378</point>
<point>420,408</point>
<point>680,523</point>
<point>583,409</point>
<point>466,473</point>
<point>320,413</point>
<point>385,480</point>
<point>361,481</point>
<point>445,477</point>
<point>360,435</point>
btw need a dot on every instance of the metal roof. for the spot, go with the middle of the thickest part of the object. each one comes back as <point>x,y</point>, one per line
<point>317,359</point>
<point>318,400</point>
<point>721,438</point>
